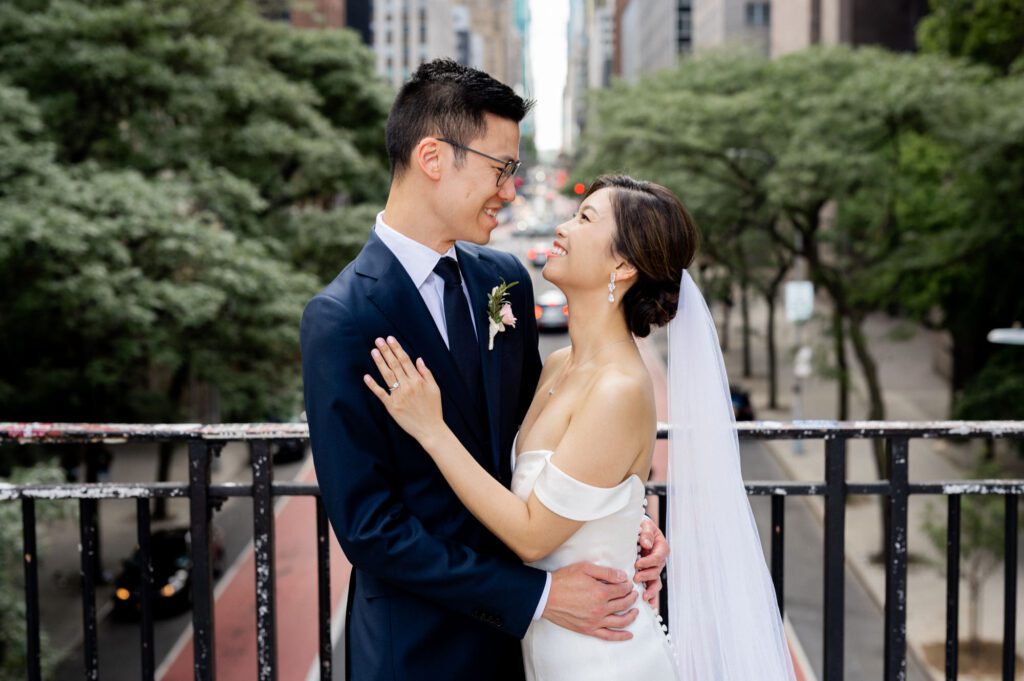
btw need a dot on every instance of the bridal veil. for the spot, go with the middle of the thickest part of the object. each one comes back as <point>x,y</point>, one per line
<point>722,609</point>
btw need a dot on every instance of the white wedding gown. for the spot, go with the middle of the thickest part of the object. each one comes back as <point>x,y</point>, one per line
<point>608,537</point>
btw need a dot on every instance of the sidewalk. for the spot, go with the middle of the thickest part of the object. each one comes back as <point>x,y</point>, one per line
<point>913,392</point>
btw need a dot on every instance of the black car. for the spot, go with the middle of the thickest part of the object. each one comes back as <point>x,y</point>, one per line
<point>741,405</point>
<point>552,311</point>
<point>171,555</point>
<point>538,255</point>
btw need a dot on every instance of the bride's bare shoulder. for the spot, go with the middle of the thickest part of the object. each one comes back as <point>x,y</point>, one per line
<point>621,383</point>
<point>555,360</point>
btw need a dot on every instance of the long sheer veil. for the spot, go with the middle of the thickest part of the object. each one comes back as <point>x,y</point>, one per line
<point>722,610</point>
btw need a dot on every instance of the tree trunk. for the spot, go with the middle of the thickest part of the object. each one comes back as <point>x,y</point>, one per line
<point>745,313</point>
<point>773,387</point>
<point>974,615</point>
<point>166,450</point>
<point>726,318</point>
<point>842,371</point>
<point>876,411</point>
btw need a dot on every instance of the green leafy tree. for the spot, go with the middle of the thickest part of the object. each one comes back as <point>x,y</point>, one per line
<point>986,31</point>
<point>711,130</point>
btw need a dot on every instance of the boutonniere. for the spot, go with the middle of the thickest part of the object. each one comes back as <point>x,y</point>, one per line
<point>499,311</point>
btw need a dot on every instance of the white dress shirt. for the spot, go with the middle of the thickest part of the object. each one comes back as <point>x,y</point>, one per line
<point>419,262</point>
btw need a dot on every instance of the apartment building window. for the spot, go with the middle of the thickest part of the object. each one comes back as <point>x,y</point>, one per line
<point>423,26</point>
<point>758,13</point>
<point>684,27</point>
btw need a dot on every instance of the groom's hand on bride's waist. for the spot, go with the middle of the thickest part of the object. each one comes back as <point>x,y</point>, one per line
<point>588,599</point>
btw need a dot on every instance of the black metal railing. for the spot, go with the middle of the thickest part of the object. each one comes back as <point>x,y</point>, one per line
<point>205,442</point>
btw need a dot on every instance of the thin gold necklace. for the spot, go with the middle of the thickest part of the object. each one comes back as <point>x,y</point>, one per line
<point>561,376</point>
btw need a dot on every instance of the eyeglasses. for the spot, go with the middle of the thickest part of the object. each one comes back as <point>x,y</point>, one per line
<point>508,168</point>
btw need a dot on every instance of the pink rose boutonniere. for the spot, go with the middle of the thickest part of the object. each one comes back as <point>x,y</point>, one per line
<point>499,312</point>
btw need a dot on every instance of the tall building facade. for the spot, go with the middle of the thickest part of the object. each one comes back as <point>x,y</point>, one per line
<point>652,34</point>
<point>732,23</point>
<point>600,46</point>
<point>407,33</point>
<point>359,17</point>
<point>490,35</point>
<point>318,13</point>
<point>798,24</point>
<point>574,94</point>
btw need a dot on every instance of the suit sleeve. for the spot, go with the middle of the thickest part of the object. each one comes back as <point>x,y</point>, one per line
<point>348,433</point>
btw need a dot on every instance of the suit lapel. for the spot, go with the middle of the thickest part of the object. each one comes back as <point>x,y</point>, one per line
<point>397,298</point>
<point>482,276</point>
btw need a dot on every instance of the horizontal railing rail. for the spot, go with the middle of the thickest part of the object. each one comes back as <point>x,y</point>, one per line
<point>205,441</point>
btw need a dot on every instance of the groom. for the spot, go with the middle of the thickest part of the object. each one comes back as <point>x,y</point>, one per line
<point>433,594</point>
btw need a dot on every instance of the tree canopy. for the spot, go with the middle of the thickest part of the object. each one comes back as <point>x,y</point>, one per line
<point>176,179</point>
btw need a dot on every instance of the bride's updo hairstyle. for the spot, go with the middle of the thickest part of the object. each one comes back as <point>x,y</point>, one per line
<point>656,234</point>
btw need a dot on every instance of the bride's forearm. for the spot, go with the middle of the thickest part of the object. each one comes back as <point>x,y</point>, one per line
<point>501,511</point>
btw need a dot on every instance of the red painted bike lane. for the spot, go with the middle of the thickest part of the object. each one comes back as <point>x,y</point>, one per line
<point>296,601</point>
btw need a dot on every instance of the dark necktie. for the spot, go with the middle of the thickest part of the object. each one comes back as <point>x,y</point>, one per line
<point>462,341</point>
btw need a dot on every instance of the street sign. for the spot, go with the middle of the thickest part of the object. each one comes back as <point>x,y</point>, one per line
<point>799,301</point>
<point>802,362</point>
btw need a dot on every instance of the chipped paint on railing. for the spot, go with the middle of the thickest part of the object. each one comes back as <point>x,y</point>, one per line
<point>119,433</point>
<point>93,490</point>
<point>1002,487</point>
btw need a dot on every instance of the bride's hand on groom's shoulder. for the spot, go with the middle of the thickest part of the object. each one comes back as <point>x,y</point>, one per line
<point>411,395</point>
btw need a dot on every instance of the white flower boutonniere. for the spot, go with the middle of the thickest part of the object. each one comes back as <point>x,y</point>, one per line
<point>499,311</point>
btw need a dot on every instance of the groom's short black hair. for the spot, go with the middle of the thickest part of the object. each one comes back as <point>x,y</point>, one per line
<point>446,99</point>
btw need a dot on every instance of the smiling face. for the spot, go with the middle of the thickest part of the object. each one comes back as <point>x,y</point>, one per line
<point>582,256</point>
<point>468,197</point>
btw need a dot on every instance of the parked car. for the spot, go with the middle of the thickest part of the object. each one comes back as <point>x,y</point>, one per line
<point>552,311</point>
<point>741,405</point>
<point>535,230</point>
<point>171,556</point>
<point>289,451</point>
<point>538,255</point>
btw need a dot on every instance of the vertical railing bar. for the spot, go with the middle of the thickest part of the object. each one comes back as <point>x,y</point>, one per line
<point>263,548</point>
<point>142,517</point>
<point>31,563</point>
<point>778,545</point>
<point>204,662</point>
<point>895,667</point>
<point>1010,591</point>
<point>952,587</point>
<point>835,540</point>
<point>323,569</point>
<point>663,524</point>
<point>89,545</point>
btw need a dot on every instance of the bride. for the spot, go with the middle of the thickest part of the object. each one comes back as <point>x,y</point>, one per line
<point>584,451</point>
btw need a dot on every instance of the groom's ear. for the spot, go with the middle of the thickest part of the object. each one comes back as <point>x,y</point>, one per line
<point>427,157</point>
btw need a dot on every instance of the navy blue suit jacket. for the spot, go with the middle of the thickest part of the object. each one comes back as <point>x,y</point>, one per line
<point>435,595</point>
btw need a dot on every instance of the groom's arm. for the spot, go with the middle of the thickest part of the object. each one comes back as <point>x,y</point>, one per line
<point>348,432</point>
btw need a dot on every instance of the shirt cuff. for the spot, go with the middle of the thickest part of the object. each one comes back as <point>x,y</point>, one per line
<point>543,598</point>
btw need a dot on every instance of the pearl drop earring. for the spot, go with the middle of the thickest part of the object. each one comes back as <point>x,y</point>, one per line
<point>611,289</point>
